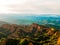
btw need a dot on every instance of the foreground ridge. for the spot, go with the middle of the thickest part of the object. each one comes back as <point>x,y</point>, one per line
<point>33,34</point>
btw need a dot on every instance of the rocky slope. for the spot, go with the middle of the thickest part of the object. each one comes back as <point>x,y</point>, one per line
<point>34,33</point>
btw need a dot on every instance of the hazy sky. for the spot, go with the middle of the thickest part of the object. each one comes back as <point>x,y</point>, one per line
<point>30,6</point>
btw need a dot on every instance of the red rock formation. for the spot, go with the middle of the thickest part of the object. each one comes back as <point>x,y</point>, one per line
<point>39,28</point>
<point>50,31</point>
<point>58,42</point>
<point>34,25</point>
<point>6,26</point>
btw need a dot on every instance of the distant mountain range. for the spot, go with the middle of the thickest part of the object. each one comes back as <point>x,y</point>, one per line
<point>26,19</point>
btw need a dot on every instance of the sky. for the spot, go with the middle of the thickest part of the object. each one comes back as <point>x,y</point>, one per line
<point>29,6</point>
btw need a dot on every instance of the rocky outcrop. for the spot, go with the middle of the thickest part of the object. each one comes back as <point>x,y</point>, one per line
<point>58,42</point>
